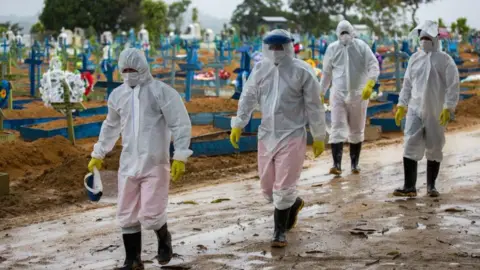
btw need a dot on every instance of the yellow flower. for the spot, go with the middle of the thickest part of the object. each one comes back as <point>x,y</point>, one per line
<point>3,93</point>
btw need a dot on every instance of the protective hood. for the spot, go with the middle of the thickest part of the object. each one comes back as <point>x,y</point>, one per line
<point>278,37</point>
<point>135,59</point>
<point>345,26</point>
<point>427,29</point>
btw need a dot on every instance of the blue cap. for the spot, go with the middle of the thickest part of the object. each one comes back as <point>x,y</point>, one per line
<point>277,40</point>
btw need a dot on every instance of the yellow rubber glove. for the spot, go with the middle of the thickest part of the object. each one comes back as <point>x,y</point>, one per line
<point>399,115</point>
<point>94,162</point>
<point>322,97</point>
<point>367,91</point>
<point>445,117</point>
<point>178,169</point>
<point>235,137</point>
<point>318,148</point>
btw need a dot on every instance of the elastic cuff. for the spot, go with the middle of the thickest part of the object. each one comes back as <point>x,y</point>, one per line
<point>445,106</point>
<point>182,155</point>
<point>97,156</point>
<point>236,122</point>
<point>132,230</point>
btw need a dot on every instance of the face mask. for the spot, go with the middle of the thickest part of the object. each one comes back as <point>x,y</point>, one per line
<point>278,56</point>
<point>426,45</point>
<point>345,39</point>
<point>131,79</point>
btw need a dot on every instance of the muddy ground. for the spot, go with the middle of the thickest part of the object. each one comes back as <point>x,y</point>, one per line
<point>351,222</point>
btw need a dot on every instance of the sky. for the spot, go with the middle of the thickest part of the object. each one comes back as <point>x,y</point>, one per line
<point>449,10</point>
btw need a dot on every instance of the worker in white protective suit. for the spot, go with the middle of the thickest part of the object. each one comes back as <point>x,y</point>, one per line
<point>430,91</point>
<point>147,113</point>
<point>289,97</point>
<point>352,69</point>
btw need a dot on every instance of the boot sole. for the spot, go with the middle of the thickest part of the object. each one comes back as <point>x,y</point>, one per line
<point>136,267</point>
<point>164,262</point>
<point>276,244</point>
<point>408,194</point>
<point>355,171</point>
<point>335,171</point>
<point>296,216</point>
<point>433,195</point>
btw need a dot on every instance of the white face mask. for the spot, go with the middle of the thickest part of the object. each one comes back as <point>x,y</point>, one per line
<point>426,45</point>
<point>278,56</point>
<point>131,79</point>
<point>345,39</point>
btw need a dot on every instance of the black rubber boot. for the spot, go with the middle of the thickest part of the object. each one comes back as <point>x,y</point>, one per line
<point>337,151</point>
<point>294,210</point>
<point>409,188</point>
<point>165,252</point>
<point>281,219</point>
<point>355,156</point>
<point>133,250</point>
<point>433,168</point>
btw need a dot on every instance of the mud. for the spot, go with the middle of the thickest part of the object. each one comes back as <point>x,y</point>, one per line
<point>52,176</point>
<point>469,107</point>
<point>202,130</point>
<point>350,222</point>
<point>21,158</point>
<point>211,104</point>
<point>35,109</point>
<point>62,123</point>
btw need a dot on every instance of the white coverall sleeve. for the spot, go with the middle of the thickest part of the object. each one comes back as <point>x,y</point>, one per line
<point>406,93</point>
<point>178,122</point>
<point>373,68</point>
<point>327,70</point>
<point>314,109</point>
<point>248,101</point>
<point>452,80</point>
<point>109,133</point>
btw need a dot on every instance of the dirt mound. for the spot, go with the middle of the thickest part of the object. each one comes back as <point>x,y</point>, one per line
<point>57,187</point>
<point>21,158</point>
<point>94,104</point>
<point>62,123</point>
<point>202,130</point>
<point>35,109</point>
<point>211,104</point>
<point>469,107</point>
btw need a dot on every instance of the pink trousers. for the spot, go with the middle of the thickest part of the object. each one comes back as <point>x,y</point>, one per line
<point>280,171</point>
<point>143,200</point>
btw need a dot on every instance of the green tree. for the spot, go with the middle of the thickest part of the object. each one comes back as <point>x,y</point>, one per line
<point>462,26</point>
<point>249,13</point>
<point>413,6</point>
<point>102,15</point>
<point>453,27</point>
<point>37,28</point>
<point>195,15</point>
<point>15,27</point>
<point>175,13</point>
<point>441,24</point>
<point>381,15</point>
<point>155,18</point>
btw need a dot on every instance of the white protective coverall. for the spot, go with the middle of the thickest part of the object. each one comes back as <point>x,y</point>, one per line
<point>431,84</point>
<point>348,66</point>
<point>289,98</point>
<point>147,117</point>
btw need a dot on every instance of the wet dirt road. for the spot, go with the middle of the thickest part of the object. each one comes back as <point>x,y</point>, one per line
<point>348,223</point>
